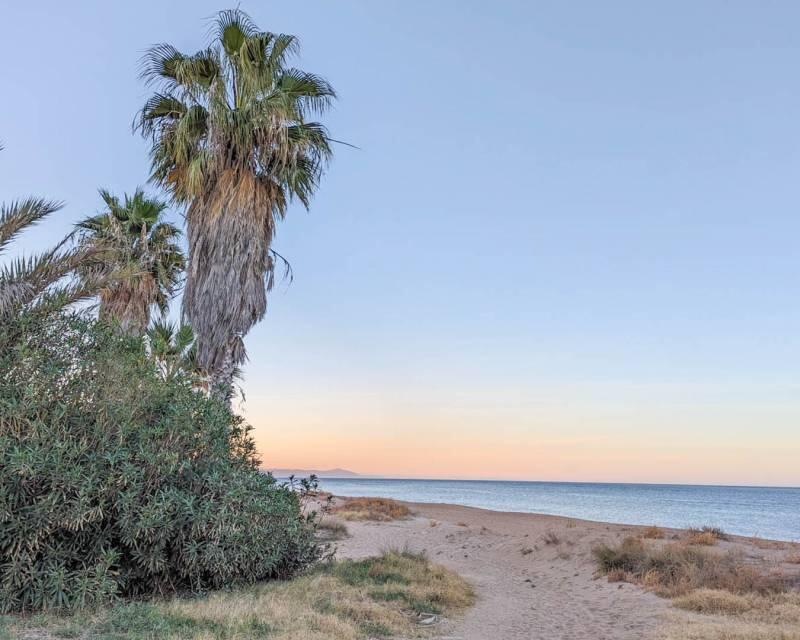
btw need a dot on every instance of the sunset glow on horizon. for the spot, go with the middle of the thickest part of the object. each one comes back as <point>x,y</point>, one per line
<point>601,441</point>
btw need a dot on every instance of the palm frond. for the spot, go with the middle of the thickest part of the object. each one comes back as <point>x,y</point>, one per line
<point>26,280</point>
<point>17,216</point>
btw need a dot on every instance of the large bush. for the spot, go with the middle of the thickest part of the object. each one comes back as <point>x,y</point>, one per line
<point>115,482</point>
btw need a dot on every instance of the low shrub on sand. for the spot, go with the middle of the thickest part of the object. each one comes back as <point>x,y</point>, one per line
<point>377,509</point>
<point>747,601</point>
<point>331,529</point>
<point>391,595</point>
<point>551,537</point>
<point>653,533</point>
<point>676,569</point>
<point>748,616</point>
<point>707,536</point>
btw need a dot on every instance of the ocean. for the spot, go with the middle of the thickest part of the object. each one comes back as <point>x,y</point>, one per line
<point>767,512</point>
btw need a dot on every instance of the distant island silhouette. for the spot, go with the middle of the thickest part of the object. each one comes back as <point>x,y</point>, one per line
<point>320,473</point>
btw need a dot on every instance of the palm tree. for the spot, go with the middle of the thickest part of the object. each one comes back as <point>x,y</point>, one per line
<point>233,142</point>
<point>173,349</point>
<point>142,251</point>
<point>41,281</point>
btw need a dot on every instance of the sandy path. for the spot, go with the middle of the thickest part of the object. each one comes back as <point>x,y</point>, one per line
<point>528,587</point>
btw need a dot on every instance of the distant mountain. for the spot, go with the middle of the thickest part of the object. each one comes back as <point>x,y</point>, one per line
<point>320,473</point>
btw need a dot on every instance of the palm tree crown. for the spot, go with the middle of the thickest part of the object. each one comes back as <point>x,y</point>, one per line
<point>143,253</point>
<point>233,142</point>
<point>172,348</point>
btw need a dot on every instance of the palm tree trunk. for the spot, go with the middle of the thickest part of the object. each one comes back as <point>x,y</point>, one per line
<point>221,380</point>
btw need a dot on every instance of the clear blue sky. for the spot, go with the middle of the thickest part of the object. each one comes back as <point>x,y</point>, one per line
<point>566,246</point>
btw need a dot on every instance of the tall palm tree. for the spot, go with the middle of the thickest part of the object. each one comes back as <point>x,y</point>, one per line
<point>232,141</point>
<point>142,250</point>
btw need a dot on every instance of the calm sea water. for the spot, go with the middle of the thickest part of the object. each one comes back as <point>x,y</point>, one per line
<point>767,512</point>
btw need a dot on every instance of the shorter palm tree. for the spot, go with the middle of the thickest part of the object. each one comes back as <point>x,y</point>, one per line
<point>173,349</point>
<point>142,252</point>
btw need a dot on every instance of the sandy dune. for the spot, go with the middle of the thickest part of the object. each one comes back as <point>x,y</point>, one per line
<point>534,574</point>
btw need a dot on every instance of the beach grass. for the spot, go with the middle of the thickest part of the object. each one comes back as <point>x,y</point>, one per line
<point>743,599</point>
<point>677,568</point>
<point>391,595</point>
<point>375,509</point>
<point>653,533</point>
<point>707,536</point>
<point>331,529</point>
<point>748,616</point>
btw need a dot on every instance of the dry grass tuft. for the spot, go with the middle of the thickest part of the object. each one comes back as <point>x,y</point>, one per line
<point>745,616</point>
<point>707,536</point>
<point>762,543</point>
<point>792,558</point>
<point>376,509</point>
<point>716,602</point>
<point>653,533</point>
<point>346,600</point>
<point>551,537</point>
<point>332,529</point>
<point>730,629</point>
<point>675,569</point>
<point>748,601</point>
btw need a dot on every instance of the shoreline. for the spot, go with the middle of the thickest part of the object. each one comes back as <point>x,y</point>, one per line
<point>535,574</point>
<point>588,521</point>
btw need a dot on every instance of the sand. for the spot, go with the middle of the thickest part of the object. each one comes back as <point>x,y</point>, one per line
<point>534,575</point>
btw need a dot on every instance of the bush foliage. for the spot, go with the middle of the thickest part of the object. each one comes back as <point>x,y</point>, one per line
<point>115,482</point>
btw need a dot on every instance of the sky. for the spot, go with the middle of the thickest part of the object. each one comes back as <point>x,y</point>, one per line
<point>564,247</point>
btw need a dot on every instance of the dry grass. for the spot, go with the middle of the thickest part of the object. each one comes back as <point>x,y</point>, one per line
<point>717,602</point>
<point>792,558</point>
<point>332,529</point>
<point>377,509</point>
<point>746,600</point>
<point>385,596</point>
<point>707,536</point>
<point>551,537</point>
<point>762,543</point>
<point>730,629</point>
<point>653,533</point>
<point>745,616</point>
<point>675,569</point>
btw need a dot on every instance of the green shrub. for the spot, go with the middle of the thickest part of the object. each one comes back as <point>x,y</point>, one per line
<point>114,482</point>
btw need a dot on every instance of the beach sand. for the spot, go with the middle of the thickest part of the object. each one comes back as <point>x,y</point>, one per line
<point>534,575</point>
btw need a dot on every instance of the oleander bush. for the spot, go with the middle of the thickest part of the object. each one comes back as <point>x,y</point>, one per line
<point>115,482</point>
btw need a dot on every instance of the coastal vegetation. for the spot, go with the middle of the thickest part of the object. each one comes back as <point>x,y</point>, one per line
<point>748,598</point>
<point>117,482</point>
<point>376,509</point>
<point>397,594</point>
